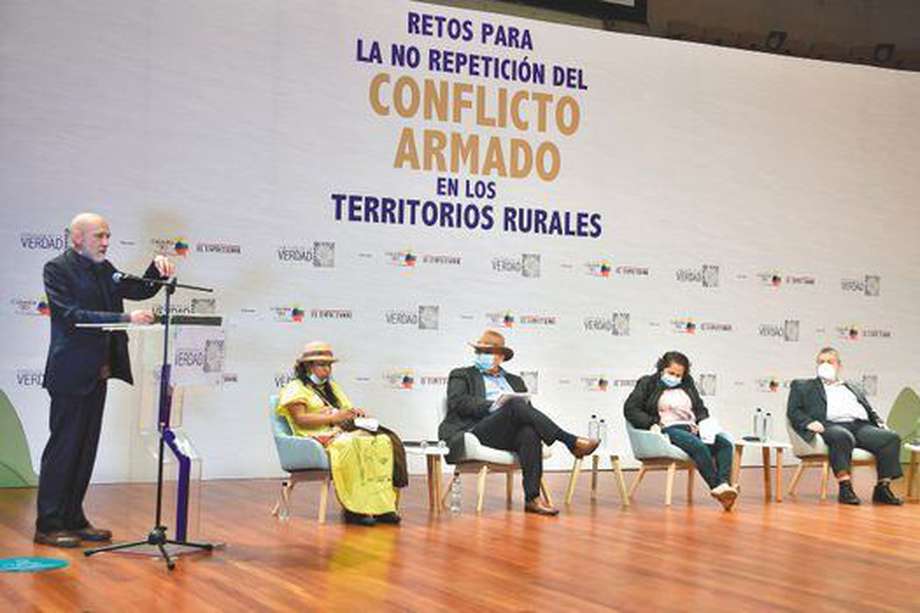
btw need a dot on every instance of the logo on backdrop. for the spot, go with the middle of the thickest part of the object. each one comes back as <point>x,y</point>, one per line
<point>605,269</point>
<point>778,279</point>
<point>219,248</point>
<point>209,359</point>
<point>320,255</point>
<point>869,285</point>
<point>170,246</point>
<point>687,325</point>
<point>506,319</point>
<point>31,307</point>
<point>855,332</point>
<point>195,306</point>
<point>595,383</point>
<point>283,378</point>
<point>29,377</point>
<point>707,276</point>
<point>531,380</point>
<point>771,384</point>
<point>869,384</point>
<point>411,259</point>
<point>43,241</point>
<point>528,265</point>
<point>400,378</point>
<point>335,314</point>
<point>425,317</point>
<point>616,324</point>
<point>787,331</point>
<point>288,314</point>
<point>438,380</point>
<point>707,384</point>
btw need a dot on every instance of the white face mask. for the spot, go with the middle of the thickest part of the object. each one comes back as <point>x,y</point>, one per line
<point>827,371</point>
<point>316,380</point>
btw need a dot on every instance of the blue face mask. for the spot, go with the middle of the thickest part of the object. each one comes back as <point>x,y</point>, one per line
<point>484,361</point>
<point>670,380</point>
<point>317,380</point>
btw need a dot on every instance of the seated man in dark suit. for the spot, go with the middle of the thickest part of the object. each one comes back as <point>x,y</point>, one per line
<point>840,412</point>
<point>514,426</point>
<point>81,289</point>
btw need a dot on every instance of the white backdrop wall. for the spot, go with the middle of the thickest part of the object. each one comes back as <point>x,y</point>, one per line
<point>218,131</point>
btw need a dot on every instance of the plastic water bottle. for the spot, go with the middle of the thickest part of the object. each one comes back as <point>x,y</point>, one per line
<point>602,433</point>
<point>758,424</point>
<point>593,427</point>
<point>767,426</point>
<point>456,494</point>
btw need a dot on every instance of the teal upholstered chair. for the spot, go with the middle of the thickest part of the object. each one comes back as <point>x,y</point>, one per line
<point>304,459</point>
<point>655,452</point>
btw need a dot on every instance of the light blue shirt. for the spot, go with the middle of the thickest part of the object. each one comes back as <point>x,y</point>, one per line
<point>496,385</point>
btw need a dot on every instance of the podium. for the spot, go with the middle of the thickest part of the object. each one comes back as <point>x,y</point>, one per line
<point>196,359</point>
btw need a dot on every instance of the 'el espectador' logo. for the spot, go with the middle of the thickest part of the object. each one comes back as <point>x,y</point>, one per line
<point>777,279</point>
<point>605,269</point>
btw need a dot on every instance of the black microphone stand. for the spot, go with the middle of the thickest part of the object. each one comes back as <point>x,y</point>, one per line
<point>157,536</point>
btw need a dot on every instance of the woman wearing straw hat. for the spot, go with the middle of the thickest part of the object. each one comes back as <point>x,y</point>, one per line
<point>362,463</point>
<point>514,425</point>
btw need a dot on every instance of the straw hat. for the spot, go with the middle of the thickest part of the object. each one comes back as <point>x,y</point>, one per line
<point>317,352</point>
<point>492,341</point>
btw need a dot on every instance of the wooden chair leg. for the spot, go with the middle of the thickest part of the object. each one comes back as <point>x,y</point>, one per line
<point>795,478</point>
<point>825,471</point>
<point>544,489</point>
<point>736,464</point>
<point>638,480</point>
<point>690,474</point>
<point>509,487</point>
<point>669,486</point>
<point>779,474</point>
<point>621,484</point>
<point>437,473</point>
<point>912,475</point>
<point>573,479</point>
<point>276,510</point>
<point>481,487</point>
<point>323,499</point>
<point>594,462</point>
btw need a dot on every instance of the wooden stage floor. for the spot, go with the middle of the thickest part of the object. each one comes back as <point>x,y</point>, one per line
<point>800,554</point>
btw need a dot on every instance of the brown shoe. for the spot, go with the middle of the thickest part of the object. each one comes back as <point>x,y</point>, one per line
<point>584,446</point>
<point>57,538</point>
<point>537,506</point>
<point>726,495</point>
<point>94,534</point>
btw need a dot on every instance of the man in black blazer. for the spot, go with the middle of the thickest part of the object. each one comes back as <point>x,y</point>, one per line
<point>81,288</point>
<point>840,412</point>
<point>514,426</point>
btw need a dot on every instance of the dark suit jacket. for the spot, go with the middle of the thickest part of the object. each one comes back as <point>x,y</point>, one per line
<point>80,291</point>
<point>808,403</point>
<point>641,407</point>
<point>466,400</point>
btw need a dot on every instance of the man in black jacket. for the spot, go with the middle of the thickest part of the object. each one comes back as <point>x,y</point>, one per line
<point>81,288</point>
<point>514,426</point>
<point>839,411</point>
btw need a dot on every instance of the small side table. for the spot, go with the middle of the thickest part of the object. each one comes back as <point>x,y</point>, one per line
<point>434,463</point>
<point>595,460</point>
<point>913,468</point>
<point>765,447</point>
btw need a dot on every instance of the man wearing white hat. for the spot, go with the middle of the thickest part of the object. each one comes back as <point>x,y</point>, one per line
<point>515,425</point>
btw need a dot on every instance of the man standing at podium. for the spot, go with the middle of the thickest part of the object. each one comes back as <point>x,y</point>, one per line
<point>82,288</point>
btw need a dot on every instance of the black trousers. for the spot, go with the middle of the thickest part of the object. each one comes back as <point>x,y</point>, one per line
<point>68,458</point>
<point>519,427</point>
<point>885,445</point>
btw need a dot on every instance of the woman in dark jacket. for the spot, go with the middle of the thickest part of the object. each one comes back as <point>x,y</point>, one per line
<point>667,402</point>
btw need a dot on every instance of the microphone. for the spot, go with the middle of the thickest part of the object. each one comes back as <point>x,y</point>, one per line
<point>118,277</point>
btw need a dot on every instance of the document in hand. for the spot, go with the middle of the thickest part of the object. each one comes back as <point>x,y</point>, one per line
<point>505,397</point>
<point>709,428</point>
<point>367,423</point>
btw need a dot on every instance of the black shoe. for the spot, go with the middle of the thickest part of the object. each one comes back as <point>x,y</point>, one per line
<point>57,538</point>
<point>882,494</point>
<point>358,519</point>
<point>846,495</point>
<point>388,518</point>
<point>89,533</point>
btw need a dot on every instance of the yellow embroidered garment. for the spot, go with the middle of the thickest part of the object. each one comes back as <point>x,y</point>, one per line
<point>362,472</point>
<point>296,392</point>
